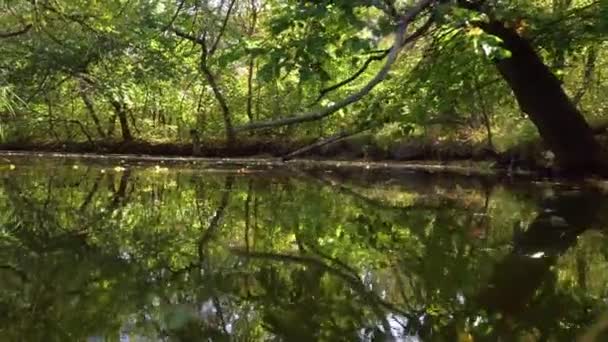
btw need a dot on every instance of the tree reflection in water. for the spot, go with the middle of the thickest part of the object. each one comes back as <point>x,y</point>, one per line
<point>174,254</point>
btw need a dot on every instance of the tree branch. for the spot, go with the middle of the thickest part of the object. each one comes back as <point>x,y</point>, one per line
<point>216,219</point>
<point>380,76</point>
<point>188,36</point>
<point>322,142</point>
<point>16,33</point>
<point>347,276</point>
<point>222,28</point>
<point>251,66</point>
<point>179,8</point>
<point>83,90</point>
<point>353,77</point>
<point>76,18</point>
<point>587,75</point>
<point>209,76</point>
<point>368,62</point>
<point>219,96</point>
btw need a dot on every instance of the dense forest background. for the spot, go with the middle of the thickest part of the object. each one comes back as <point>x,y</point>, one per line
<point>165,71</point>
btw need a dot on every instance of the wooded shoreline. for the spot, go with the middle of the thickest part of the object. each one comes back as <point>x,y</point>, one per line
<point>261,156</point>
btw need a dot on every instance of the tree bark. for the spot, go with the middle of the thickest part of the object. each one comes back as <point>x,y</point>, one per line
<point>540,95</point>
<point>111,126</point>
<point>196,142</point>
<point>251,66</point>
<point>90,105</point>
<point>250,88</point>
<point>121,113</point>
<point>230,135</point>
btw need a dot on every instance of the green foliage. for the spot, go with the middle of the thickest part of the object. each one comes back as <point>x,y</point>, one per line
<point>60,78</point>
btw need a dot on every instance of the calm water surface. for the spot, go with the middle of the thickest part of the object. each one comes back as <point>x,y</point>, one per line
<point>149,253</point>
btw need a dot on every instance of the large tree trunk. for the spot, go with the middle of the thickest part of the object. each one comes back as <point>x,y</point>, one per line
<point>540,95</point>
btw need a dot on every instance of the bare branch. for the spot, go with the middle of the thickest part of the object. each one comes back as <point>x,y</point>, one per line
<point>179,9</point>
<point>380,76</point>
<point>222,28</point>
<point>322,142</point>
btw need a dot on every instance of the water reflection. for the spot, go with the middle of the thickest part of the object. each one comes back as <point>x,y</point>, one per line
<point>97,253</point>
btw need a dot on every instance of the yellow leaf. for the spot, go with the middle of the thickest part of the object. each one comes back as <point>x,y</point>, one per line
<point>475,31</point>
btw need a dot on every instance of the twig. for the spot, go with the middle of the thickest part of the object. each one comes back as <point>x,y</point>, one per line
<point>170,24</point>
<point>322,142</point>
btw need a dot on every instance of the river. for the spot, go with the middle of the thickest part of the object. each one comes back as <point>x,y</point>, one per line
<point>140,251</point>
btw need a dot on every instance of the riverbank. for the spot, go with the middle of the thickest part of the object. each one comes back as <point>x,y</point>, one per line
<point>251,164</point>
<point>527,157</point>
<point>358,148</point>
<point>370,171</point>
<point>210,149</point>
<point>357,152</point>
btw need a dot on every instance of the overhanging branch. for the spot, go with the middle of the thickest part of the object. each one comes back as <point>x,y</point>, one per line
<point>398,43</point>
<point>353,77</point>
<point>370,60</point>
